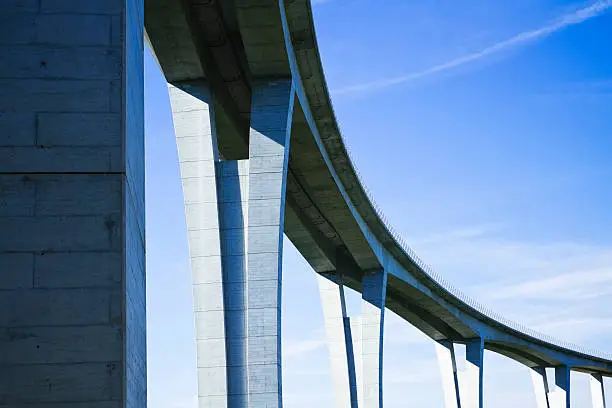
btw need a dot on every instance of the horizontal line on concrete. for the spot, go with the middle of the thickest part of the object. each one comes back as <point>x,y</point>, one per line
<point>80,288</point>
<point>20,404</point>
<point>45,252</point>
<point>47,217</point>
<point>43,11</point>
<point>76,363</point>
<point>63,78</point>
<point>69,79</point>
<point>31,289</point>
<point>61,326</point>
<point>45,173</point>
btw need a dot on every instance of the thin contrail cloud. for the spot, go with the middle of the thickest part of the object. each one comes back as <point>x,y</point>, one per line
<point>518,40</point>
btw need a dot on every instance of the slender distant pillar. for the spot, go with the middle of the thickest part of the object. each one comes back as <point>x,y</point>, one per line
<point>374,292</point>
<point>235,220</point>
<point>540,386</point>
<point>72,205</point>
<point>598,397</point>
<point>340,342</point>
<point>355,324</point>
<point>471,380</point>
<point>559,397</point>
<point>445,353</point>
<point>462,389</point>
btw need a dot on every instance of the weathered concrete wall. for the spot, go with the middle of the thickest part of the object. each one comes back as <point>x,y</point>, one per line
<point>72,297</point>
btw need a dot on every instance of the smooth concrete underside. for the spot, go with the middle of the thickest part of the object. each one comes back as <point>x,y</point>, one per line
<point>329,217</point>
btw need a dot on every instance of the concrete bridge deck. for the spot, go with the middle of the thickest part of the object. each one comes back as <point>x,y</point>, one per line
<point>329,216</point>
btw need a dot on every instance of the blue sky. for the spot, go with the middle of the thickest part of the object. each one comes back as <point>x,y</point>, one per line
<point>483,129</point>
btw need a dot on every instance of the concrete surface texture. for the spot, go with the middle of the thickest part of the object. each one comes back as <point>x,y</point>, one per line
<point>235,214</point>
<point>72,257</point>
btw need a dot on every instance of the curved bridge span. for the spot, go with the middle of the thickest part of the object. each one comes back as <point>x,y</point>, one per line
<point>261,154</point>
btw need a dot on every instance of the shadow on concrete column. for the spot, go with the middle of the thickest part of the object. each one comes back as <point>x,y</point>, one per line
<point>339,341</point>
<point>374,292</point>
<point>462,389</point>
<point>235,220</point>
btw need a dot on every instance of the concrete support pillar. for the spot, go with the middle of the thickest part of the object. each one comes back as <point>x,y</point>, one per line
<point>445,353</point>
<point>374,292</point>
<point>540,386</point>
<point>271,116</point>
<point>235,215</point>
<point>560,395</point>
<point>462,389</point>
<point>72,230</point>
<point>355,324</point>
<point>470,380</point>
<point>549,395</point>
<point>598,396</point>
<point>340,342</point>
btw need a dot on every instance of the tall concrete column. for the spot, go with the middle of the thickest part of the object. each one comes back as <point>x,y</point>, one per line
<point>555,396</point>
<point>374,292</point>
<point>462,389</point>
<point>598,396</point>
<point>271,115</point>
<point>540,386</point>
<point>235,215</point>
<point>339,340</point>
<point>445,353</point>
<point>72,251</point>
<point>560,395</point>
<point>471,380</point>
<point>355,325</point>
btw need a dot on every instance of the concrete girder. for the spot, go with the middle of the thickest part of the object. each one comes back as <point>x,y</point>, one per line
<point>465,315</point>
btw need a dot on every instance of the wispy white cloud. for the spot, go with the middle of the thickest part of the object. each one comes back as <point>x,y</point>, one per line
<point>417,372</point>
<point>295,349</point>
<point>574,18</point>
<point>455,234</point>
<point>549,286</point>
<point>577,285</point>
